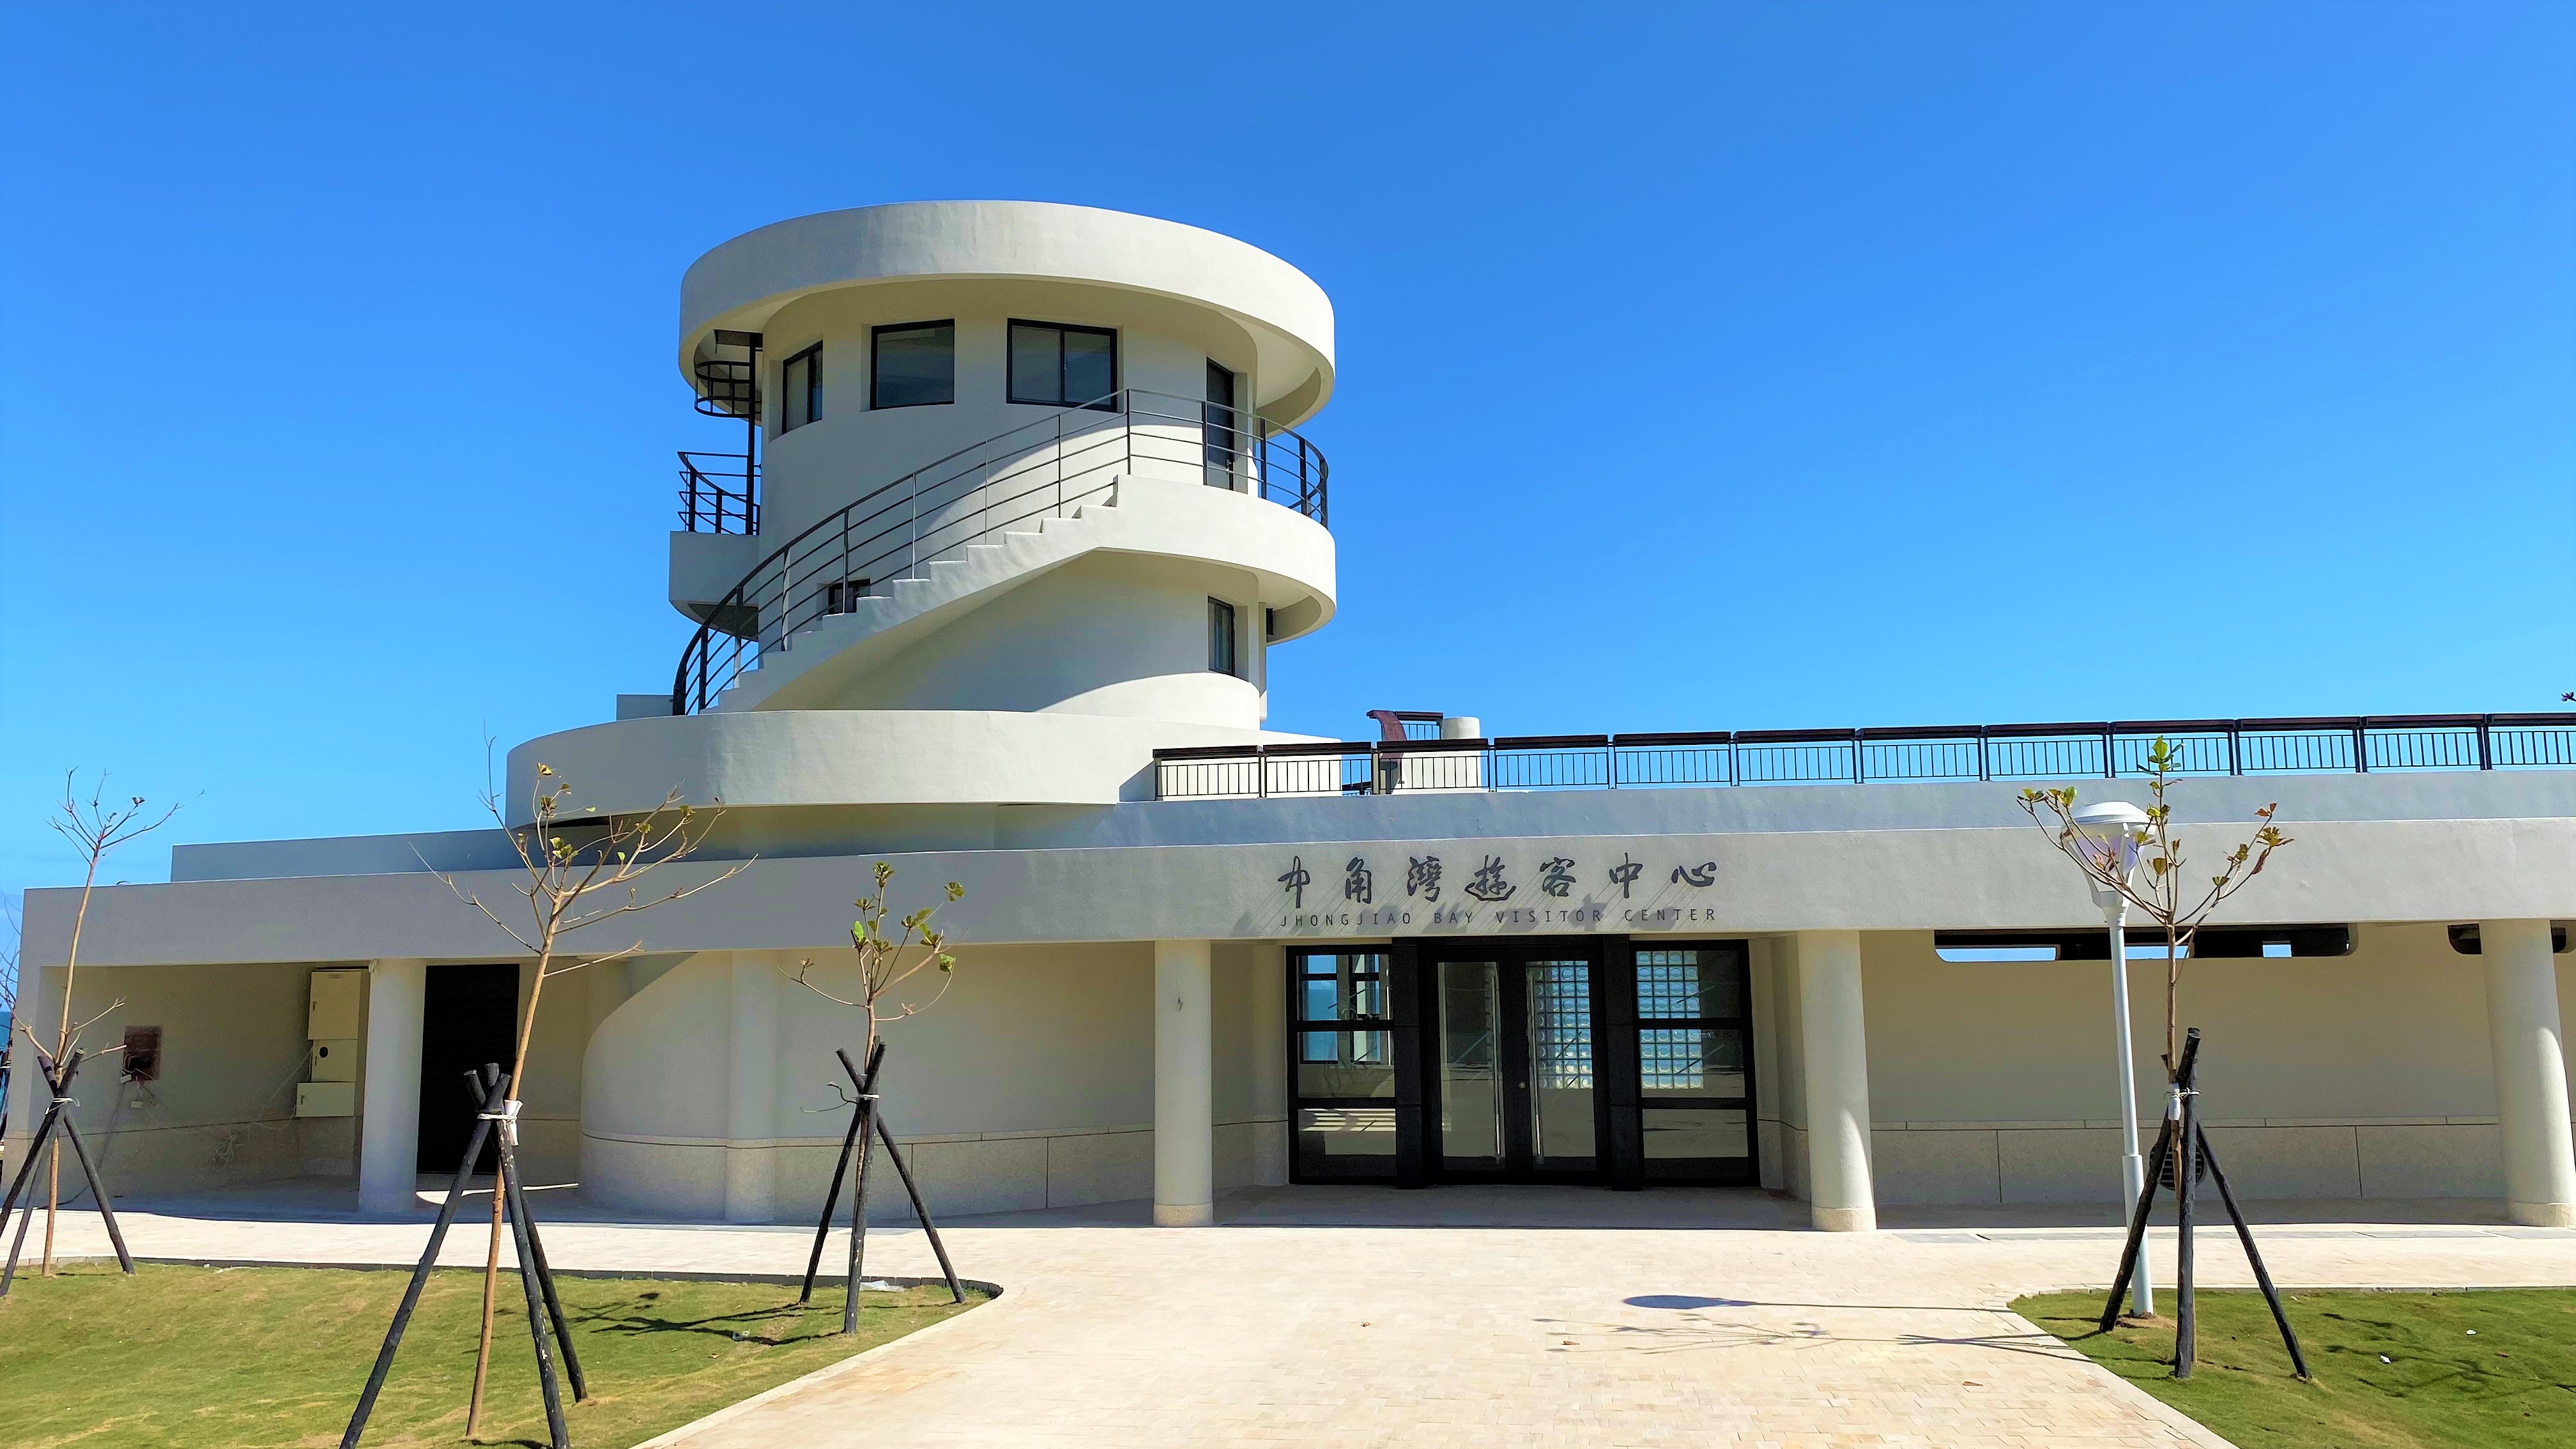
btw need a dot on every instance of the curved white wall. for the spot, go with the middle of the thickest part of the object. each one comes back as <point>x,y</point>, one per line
<point>1107,634</point>
<point>1030,1084</point>
<point>760,759</point>
<point>743,283</point>
<point>663,1088</point>
<point>1164,346</point>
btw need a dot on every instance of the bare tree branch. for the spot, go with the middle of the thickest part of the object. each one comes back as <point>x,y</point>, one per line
<point>887,959</point>
<point>95,828</point>
<point>2159,858</point>
<point>559,870</point>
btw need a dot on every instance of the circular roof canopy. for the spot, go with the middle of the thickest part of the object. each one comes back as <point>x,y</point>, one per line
<point>738,286</point>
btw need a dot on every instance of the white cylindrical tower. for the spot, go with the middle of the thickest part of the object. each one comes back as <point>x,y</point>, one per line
<point>1031,503</point>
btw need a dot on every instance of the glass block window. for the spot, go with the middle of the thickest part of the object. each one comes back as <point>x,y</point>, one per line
<point>1694,1068</point>
<point>1691,1061</point>
<point>1560,1024</point>
<point>1674,984</point>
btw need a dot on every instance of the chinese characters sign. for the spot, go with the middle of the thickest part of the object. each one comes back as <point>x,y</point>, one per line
<point>1497,891</point>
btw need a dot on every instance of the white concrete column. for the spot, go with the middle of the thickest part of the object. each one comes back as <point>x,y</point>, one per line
<point>389,1124</point>
<point>1184,1087</point>
<point>1835,1049</point>
<point>39,1010</point>
<point>2531,1072</point>
<point>751,1094</point>
<point>1269,1063</point>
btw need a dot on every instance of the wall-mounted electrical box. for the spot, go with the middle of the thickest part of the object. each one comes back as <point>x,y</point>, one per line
<point>334,1001</point>
<point>335,1060</point>
<point>326,1099</point>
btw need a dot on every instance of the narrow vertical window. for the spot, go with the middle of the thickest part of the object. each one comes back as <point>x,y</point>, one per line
<point>1217,423</point>
<point>1221,637</point>
<point>912,364</point>
<point>800,399</point>
<point>1060,366</point>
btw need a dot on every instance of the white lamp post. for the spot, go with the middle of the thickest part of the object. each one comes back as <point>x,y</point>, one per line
<point>2109,833</point>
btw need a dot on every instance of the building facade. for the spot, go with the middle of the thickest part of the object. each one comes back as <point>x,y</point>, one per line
<point>1023,505</point>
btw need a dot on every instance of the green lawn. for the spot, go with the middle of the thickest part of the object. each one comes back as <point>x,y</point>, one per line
<point>264,1358</point>
<point>2511,1382</point>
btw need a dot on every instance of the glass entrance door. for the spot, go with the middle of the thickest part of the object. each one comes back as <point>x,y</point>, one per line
<point>1516,1070</point>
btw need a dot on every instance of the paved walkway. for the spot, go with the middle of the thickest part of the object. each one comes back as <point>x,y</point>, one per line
<point>1523,1316</point>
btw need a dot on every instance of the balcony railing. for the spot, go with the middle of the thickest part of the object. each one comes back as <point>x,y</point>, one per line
<point>2112,750</point>
<point>1044,469</point>
<point>719,493</point>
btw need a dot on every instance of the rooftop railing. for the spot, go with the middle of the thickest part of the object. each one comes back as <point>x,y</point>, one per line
<point>1043,469</point>
<point>2110,750</point>
<point>719,493</point>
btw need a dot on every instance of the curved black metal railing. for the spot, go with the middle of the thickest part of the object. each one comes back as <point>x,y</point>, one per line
<point>1043,469</point>
<point>2109,750</point>
<point>719,493</point>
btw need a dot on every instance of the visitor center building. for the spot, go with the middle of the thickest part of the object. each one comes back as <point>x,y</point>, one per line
<point>1025,500</point>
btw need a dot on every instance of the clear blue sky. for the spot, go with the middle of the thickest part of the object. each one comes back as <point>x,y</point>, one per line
<point>1740,366</point>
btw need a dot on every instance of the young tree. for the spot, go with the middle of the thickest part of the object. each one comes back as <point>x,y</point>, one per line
<point>95,827</point>
<point>2159,888</point>
<point>883,959</point>
<point>886,960</point>
<point>579,869</point>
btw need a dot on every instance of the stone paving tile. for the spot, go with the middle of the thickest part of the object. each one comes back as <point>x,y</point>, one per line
<point>1545,1329</point>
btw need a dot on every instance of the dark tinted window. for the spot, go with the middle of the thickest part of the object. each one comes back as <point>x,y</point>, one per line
<point>1221,637</point>
<point>1062,366</point>
<point>801,389</point>
<point>915,363</point>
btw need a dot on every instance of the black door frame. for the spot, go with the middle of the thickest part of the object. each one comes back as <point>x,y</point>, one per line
<point>1616,1136</point>
<point>1411,1023</point>
<point>1741,950</point>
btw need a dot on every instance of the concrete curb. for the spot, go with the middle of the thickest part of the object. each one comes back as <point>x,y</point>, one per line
<point>2181,1423</point>
<point>671,1439</point>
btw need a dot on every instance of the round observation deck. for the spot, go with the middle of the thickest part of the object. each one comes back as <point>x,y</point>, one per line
<point>737,288</point>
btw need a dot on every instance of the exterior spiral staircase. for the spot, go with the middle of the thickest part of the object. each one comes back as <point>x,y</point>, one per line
<point>895,562</point>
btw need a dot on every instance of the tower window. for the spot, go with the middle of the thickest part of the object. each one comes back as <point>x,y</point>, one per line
<point>801,389</point>
<point>1217,425</point>
<point>1063,366</point>
<point>913,363</point>
<point>1221,656</point>
<point>841,596</point>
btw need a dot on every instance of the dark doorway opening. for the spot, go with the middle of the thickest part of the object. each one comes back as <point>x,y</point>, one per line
<point>469,1016</point>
